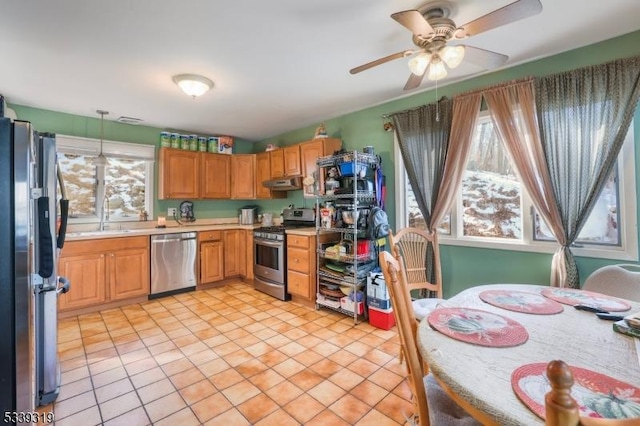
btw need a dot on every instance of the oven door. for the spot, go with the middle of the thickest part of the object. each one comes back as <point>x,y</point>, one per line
<point>269,260</point>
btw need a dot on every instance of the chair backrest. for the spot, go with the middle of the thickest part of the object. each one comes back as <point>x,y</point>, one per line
<point>413,245</point>
<point>616,280</point>
<point>562,410</point>
<point>394,275</point>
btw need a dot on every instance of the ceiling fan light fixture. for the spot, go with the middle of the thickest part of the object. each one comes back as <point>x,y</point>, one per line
<point>192,84</point>
<point>437,70</point>
<point>452,55</point>
<point>419,63</point>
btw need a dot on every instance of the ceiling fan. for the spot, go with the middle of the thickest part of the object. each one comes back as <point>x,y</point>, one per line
<point>432,30</point>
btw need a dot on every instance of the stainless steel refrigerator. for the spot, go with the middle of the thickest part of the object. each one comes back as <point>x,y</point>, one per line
<point>32,228</point>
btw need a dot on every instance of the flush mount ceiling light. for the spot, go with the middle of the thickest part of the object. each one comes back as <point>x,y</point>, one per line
<point>192,84</point>
<point>101,160</point>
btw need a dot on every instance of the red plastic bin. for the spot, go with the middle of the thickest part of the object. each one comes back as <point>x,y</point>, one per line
<point>381,318</point>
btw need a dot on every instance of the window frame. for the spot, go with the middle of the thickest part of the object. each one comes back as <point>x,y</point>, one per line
<point>111,149</point>
<point>627,199</point>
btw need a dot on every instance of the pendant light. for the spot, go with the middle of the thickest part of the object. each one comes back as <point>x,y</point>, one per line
<point>101,160</point>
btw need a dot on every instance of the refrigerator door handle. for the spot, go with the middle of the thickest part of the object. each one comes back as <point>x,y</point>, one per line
<point>64,210</point>
<point>65,285</point>
<point>45,244</point>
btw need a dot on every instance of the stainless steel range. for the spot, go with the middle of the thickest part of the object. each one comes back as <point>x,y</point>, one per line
<point>270,252</point>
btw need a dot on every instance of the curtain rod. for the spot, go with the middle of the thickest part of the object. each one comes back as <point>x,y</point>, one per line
<point>389,114</point>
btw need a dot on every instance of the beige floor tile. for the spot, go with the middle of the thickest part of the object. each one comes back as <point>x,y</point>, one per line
<point>273,358</point>
<point>211,368</point>
<point>284,392</point>
<point>350,408</point>
<point>102,355</point>
<point>376,418</point>
<point>74,405</point>
<point>184,417</point>
<point>326,348</point>
<point>75,374</point>
<point>169,356</point>
<point>74,388</point>
<point>327,417</point>
<point>88,417</point>
<point>278,418</point>
<point>226,378</point>
<point>386,379</point>
<point>326,392</point>
<point>304,408</point>
<point>177,366</point>
<point>378,357</point>
<point>105,365</point>
<point>73,363</point>
<point>112,390</point>
<point>229,417</point>
<point>140,366</point>
<point>238,357</point>
<point>137,417</point>
<point>257,408</point>
<point>108,377</point>
<point>326,367</point>
<point>289,367</point>
<point>266,380</point>
<point>369,392</point>
<point>343,357</point>
<point>165,406</point>
<point>119,405</point>
<point>395,407</point>
<point>346,379</point>
<point>155,390</point>
<point>147,377</point>
<point>363,367</point>
<point>306,379</point>
<point>211,407</point>
<point>186,378</point>
<point>240,392</point>
<point>251,367</point>
<point>197,391</point>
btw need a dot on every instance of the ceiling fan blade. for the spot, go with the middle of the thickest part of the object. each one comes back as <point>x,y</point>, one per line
<point>380,61</point>
<point>512,12</point>
<point>414,81</point>
<point>414,21</point>
<point>484,58</point>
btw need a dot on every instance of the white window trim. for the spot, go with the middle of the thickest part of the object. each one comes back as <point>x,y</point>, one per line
<point>88,146</point>
<point>628,250</point>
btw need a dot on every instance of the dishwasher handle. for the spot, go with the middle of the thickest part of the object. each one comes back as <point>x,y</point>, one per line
<point>166,238</point>
<point>170,240</point>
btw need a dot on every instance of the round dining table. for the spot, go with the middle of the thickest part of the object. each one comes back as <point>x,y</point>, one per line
<point>479,377</point>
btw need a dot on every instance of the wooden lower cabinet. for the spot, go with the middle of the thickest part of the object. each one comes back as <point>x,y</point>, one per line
<point>301,266</point>
<point>211,248</point>
<point>104,270</point>
<point>232,254</point>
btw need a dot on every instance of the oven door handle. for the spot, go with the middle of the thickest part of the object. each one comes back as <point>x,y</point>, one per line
<point>269,243</point>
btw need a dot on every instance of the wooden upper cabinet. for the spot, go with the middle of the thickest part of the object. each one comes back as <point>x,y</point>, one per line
<point>292,161</point>
<point>309,154</point>
<point>216,175</point>
<point>277,163</point>
<point>179,174</point>
<point>243,176</point>
<point>263,172</point>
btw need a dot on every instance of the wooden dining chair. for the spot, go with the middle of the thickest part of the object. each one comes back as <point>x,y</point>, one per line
<point>432,406</point>
<point>562,410</point>
<point>412,244</point>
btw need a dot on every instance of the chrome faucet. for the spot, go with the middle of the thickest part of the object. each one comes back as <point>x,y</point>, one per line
<point>104,214</point>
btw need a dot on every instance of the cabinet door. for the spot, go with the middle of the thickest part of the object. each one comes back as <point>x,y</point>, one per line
<point>249,255</point>
<point>292,161</point>
<point>243,180</point>
<point>86,274</point>
<point>263,172</point>
<point>309,154</point>
<point>179,174</point>
<point>298,259</point>
<point>277,163</point>
<point>211,262</point>
<point>216,175</point>
<point>231,253</point>
<point>299,283</point>
<point>128,273</point>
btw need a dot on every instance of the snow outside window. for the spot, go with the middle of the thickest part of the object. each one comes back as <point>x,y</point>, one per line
<point>493,209</point>
<point>115,192</point>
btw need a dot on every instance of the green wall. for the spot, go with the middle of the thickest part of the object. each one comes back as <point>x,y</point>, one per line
<point>463,267</point>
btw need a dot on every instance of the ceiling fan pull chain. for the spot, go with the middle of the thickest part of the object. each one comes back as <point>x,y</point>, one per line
<point>437,104</point>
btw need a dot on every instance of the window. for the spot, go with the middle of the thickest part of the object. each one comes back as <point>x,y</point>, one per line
<point>492,208</point>
<point>115,192</point>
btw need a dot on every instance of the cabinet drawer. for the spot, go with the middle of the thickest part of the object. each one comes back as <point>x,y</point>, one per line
<point>298,241</point>
<point>209,236</point>
<point>298,259</point>
<point>298,283</point>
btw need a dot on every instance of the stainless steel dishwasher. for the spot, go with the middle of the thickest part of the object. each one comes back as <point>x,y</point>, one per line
<point>173,263</point>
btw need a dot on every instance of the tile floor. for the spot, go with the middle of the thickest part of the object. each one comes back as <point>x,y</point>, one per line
<point>228,356</point>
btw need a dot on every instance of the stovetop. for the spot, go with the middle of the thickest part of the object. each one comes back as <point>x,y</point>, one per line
<point>293,218</point>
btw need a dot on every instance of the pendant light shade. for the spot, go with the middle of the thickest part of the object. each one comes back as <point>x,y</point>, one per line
<point>434,63</point>
<point>101,160</point>
<point>192,84</point>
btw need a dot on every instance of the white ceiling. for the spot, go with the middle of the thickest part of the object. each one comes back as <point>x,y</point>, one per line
<point>277,65</point>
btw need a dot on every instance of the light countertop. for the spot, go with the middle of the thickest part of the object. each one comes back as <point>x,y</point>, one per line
<point>170,229</point>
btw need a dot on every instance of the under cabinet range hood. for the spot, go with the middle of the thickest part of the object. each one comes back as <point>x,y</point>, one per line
<point>284,184</point>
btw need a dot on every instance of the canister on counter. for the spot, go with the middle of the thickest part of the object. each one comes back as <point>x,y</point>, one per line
<point>175,140</point>
<point>193,142</point>
<point>213,144</point>
<point>184,141</point>
<point>165,139</point>
<point>202,144</point>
